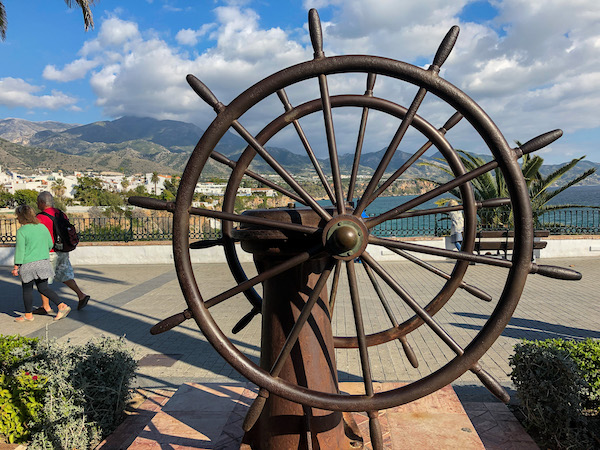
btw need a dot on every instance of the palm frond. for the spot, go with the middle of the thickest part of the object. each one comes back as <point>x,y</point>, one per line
<point>551,194</point>
<point>88,19</point>
<point>3,23</point>
<point>568,206</point>
<point>558,173</point>
<point>531,168</point>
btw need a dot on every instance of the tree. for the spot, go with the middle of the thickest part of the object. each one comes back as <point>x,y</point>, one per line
<point>58,187</point>
<point>170,188</point>
<point>488,186</point>
<point>539,185</point>
<point>89,191</point>
<point>492,185</point>
<point>154,180</point>
<point>88,19</point>
<point>125,183</point>
<point>7,200</point>
<point>26,197</point>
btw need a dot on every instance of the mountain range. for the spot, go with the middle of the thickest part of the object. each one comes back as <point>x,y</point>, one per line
<point>142,144</point>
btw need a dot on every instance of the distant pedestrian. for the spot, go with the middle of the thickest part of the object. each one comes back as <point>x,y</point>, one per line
<point>458,225</point>
<point>60,260</point>
<point>32,262</point>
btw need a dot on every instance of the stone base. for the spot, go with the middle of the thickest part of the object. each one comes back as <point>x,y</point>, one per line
<point>210,416</point>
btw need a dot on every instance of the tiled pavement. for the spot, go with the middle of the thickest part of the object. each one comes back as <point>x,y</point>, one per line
<point>128,299</point>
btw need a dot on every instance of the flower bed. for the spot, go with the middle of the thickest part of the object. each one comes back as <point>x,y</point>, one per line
<point>58,396</point>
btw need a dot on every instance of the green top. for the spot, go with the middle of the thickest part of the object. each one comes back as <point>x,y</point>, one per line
<point>33,243</point>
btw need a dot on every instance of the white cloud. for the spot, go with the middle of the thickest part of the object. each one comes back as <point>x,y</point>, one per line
<point>533,68</point>
<point>72,71</point>
<point>15,92</point>
<point>190,37</point>
<point>187,37</point>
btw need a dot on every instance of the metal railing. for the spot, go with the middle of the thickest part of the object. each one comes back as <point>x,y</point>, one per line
<point>160,228</point>
<point>121,229</point>
<point>571,221</point>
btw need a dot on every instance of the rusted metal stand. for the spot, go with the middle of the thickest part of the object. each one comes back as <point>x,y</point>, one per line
<point>282,423</point>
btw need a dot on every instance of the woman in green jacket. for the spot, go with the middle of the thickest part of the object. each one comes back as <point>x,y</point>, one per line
<point>32,262</point>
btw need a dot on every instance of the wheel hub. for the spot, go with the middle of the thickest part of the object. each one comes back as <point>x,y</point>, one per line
<point>345,237</point>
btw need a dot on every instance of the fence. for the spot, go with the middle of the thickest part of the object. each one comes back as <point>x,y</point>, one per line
<point>123,229</point>
<point>158,228</point>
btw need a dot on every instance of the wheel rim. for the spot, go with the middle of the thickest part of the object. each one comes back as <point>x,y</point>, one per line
<point>502,154</point>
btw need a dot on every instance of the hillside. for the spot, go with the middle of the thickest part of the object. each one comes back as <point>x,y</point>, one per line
<point>143,144</point>
<point>20,130</point>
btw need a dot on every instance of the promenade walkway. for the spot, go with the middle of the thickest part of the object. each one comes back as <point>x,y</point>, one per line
<point>128,299</point>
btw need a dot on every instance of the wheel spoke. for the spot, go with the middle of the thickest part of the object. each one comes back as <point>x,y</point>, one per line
<point>440,57</point>
<point>410,354</point>
<point>389,153</point>
<point>361,138</point>
<point>441,189</point>
<point>206,243</point>
<point>456,117</point>
<point>559,273</point>
<point>316,37</point>
<point>309,151</point>
<point>258,405</point>
<point>491,203</point>
<point>332,146</point>
<point>253,220</point>
<point>374,425</point>
<point>381,295</point>
<point>530,146</point>
<point>171,322</point>
<point>267,274</point>
<point>467,287</point>
<point>334,285</point>
<point>406,297</point>
<point>287,177</point>
<point>230,163</point>
<point>360,329</point>
<point>162,205</point>
<point>205,93</point>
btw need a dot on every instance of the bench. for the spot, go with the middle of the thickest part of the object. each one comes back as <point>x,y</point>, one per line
<point>503,241</point>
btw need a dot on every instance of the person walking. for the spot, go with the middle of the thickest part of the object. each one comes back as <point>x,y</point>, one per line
<point>32,262</point>
<point>458,225</point>
<point>60,260</point>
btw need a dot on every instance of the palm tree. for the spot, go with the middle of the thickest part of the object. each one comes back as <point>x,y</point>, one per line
<point>154,180</point>
<point>58,187</point>
<point>88,20</point>
<point>492,185</point>
<point>539,185</point>
<point>488,186</point>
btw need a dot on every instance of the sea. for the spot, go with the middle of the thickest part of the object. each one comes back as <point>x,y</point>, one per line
<point>575,195</point>
<point>579,218</point>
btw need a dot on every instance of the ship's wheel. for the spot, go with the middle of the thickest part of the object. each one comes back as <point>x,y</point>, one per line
<point>340,233</point>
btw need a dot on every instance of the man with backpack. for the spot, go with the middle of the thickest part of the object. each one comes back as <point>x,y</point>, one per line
<point>59,257</point>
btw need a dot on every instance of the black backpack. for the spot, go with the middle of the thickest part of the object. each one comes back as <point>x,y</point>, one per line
<point>65,235</point>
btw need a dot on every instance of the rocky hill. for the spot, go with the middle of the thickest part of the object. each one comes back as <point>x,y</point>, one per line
<point>143,144</point>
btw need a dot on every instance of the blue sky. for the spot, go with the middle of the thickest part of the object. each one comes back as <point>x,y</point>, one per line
<point>533,65</point>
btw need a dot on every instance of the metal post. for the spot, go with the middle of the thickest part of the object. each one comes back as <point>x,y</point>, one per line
<point>311,363</point>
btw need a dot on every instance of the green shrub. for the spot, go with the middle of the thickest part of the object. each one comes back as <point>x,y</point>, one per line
<point>586,355</point>
<point>555,382</point>
<point>21,399</point>
<point>14,349</point>
<point>85,390</point>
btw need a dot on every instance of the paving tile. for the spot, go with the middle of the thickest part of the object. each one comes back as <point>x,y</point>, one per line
<point>194,397</point>
<point>130,299</point>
